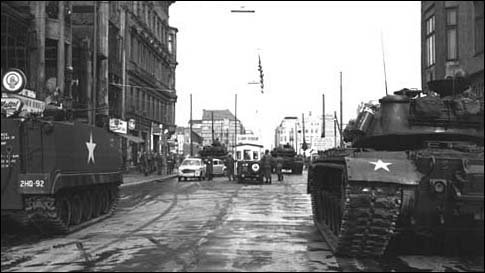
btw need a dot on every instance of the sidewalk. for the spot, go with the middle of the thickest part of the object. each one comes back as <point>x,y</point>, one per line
<point>135,178</point>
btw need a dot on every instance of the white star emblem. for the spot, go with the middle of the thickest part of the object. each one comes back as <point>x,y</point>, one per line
<point>381,165</point>
<point>91,145</point>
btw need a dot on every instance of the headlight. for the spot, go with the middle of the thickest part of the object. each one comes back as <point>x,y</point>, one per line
<point>439,187</point>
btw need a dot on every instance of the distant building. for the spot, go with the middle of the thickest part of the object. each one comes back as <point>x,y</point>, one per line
<point>222,125</point>
<point>290,131</point>
<point>183,141</point>
<point>452,41</point>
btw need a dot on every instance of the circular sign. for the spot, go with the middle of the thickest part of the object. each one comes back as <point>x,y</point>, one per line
<point>255,167</point>
<point>14,80</point>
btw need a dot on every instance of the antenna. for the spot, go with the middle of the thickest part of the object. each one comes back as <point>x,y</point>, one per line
<point>384,62</point>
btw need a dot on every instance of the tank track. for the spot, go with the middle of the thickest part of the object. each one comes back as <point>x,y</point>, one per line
<point>44,212</point>
<point>368,221</point>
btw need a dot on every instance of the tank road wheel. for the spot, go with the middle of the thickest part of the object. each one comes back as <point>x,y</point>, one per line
<point>64,210</point>
<point>87,201</point>
<point>96,201</point>
<point>76,210</point>
<point>105,201</point>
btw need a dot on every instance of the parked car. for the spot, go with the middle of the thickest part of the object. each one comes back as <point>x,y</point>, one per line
<point>218,167</point>
<point>249,170</point>
<point>192,168</point>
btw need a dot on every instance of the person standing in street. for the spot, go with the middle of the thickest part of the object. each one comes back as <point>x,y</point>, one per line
<point>266,162</point>
<point>230,167</point>
<point>279,168</point>
<point>144,162</point>
<point>209,168</point>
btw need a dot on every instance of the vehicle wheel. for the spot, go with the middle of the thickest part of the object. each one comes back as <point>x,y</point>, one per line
<point>106,199</point>
<point>64,210</point>
<point>76,210</point>
<point>97,203</point>
<point>185,178</point>
<point>180,178</point>
<point>87,202</point>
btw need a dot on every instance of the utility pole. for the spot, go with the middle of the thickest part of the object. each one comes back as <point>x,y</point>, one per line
<point>191,145</point>
<point>304,144</point>
<point>212,127</point>
<point>323,114</point>
<point>335,129</point>
<point>235,124</point>
<point>341,111</point>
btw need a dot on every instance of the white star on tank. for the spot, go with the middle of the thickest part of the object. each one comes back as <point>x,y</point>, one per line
<point>381,165</point>
<point>91,145</point>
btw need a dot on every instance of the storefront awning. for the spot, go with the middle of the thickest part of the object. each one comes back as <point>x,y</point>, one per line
<point>132,138</point>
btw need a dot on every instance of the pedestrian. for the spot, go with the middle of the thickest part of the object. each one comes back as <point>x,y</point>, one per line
<point>229,162</point>
<point>169,164</point>
<point>164,164</point>
<point>144,162</point>
<point>158,163</point>
<point>266,162</point>
<point>279,168</point>
<point>209,168</point>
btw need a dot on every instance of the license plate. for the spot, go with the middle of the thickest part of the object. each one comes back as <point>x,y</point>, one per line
<point>34,183</point>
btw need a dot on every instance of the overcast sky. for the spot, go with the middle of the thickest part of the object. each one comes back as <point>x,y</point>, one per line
<point>303,47</point>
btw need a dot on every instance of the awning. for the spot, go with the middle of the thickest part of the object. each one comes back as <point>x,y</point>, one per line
<point>132,138</point>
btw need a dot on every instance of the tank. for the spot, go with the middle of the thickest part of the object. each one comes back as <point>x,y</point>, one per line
<point>290,159</point>
<point>215,150</point>
<point>414,166</point>
<point>58,175</point>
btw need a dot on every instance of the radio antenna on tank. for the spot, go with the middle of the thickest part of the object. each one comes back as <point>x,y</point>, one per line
<point>384,63</point>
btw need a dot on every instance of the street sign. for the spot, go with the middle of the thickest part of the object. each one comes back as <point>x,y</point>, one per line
<point>118,125</point>
<point>13,81</point>
<point>10,106</point>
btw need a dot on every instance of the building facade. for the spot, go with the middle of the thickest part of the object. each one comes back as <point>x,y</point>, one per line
<point>151,54</point>
<point>183,141</point>
<point>222,125</point>
<point>452,41</point>
<point>106,60</point>
<point>290,131</point>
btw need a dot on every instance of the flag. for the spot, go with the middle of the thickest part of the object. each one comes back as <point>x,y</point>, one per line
<point>261,75</point>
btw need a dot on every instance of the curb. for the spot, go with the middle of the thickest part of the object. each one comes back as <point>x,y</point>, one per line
<point>148,180</point>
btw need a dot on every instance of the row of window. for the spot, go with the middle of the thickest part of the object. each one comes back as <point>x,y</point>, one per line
<point>151,107</point>
<point>452,33</point>
<point>147,14</point>
<point>149,61</point>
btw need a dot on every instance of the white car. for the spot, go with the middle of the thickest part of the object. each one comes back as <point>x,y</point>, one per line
<point>218,167</point>
<point>192,168</point>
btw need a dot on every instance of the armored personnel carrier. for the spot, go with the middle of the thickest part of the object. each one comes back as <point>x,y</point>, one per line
<point>57,174</point>
<point>290,159</point>
<point>415,164</point>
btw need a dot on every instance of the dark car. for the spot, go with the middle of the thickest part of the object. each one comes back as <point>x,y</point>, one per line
<point>249,170</point>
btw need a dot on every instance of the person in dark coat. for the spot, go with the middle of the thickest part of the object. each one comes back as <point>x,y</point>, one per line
<point>279,168</point>
<point>144,162</point>
<point>266,162</point>
<point>209,169</point>
<point>229,162</point>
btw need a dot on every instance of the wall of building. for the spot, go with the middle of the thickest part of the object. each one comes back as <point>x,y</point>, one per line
<point>469,33</point>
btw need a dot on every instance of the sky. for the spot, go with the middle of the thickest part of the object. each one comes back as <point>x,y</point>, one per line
<point>303,48</point>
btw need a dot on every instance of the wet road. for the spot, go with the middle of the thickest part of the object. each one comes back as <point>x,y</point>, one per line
<point>206,226</point>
